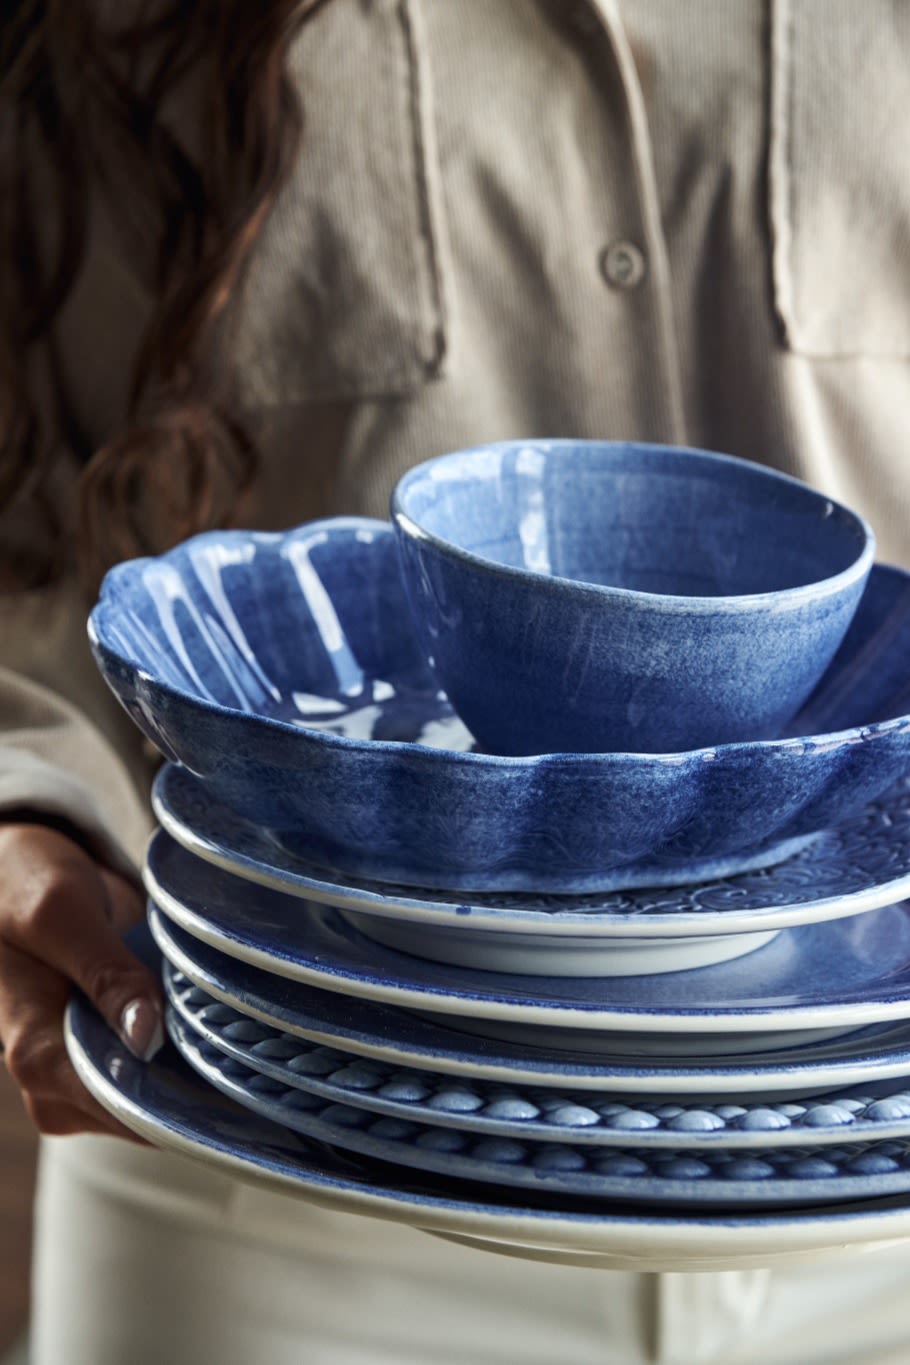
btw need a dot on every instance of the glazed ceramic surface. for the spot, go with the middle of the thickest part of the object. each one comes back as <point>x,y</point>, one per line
<point>708,1178</point>
<point>554,955</point>
<point>284,670</point>
<point>840,974</point>
<point>871,1113</point>
<point>859,866</point>
<point>608,597</point>
<point>168,1105</point>
<point>639,1065</point>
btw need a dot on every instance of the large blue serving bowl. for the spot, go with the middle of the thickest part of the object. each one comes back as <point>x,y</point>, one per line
<point>595,596</point>
<point>284,670</point>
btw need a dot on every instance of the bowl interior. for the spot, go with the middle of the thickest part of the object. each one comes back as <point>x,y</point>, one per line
<point>647,518</point>
<point>312,628</point>
<point>296,627</point>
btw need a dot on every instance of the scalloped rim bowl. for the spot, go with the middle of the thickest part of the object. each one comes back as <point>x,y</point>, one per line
<point>207,645</point>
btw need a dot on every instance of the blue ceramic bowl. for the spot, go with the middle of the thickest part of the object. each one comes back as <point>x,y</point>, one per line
<point>597,597</point>
<point>284,671</point>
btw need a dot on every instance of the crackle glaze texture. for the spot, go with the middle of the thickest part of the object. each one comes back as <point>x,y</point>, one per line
<point>598,597</point>
<point>284,669</point>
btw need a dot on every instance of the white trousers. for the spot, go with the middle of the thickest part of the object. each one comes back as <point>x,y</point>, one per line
<point>143,1258</point>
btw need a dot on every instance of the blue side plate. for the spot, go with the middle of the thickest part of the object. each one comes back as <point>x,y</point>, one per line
<point>859,866</point>
<point>387,1034</point>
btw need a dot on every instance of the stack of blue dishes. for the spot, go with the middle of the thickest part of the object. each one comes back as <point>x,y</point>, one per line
<point>623,1007</point>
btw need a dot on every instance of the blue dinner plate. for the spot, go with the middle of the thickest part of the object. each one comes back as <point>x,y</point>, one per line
<point>173,1108</point>
<point>402,1038</point>
<point>844,974</point>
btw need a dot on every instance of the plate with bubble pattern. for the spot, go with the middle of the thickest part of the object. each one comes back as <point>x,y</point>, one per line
<point>700,1178</point>
<point>166,1103</point>
<point>546,1114</point>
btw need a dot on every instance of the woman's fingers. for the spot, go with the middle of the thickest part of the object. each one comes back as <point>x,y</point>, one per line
<point>61,916</point>
<point>32,1000</point>
<point>68,913</point>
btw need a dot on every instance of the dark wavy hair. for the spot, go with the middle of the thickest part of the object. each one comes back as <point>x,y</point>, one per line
<point>81,96</point>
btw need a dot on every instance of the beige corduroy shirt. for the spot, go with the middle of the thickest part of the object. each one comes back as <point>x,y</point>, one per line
<point>535,217</point>
<point>683,222</point>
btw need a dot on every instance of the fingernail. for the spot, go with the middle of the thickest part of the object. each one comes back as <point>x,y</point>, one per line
<point>141,1029</point>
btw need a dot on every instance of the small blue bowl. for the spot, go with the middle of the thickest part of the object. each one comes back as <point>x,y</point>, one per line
<point>593,597</point>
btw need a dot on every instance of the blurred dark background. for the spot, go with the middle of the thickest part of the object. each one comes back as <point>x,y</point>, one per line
<point>18,1149</point>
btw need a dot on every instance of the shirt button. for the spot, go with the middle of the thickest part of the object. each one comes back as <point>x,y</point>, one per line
<point>622,265</point>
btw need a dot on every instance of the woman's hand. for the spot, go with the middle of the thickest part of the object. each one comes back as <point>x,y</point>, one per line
<point>61,917</point>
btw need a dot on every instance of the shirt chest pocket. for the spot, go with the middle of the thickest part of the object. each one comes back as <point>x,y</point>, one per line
<point>346,296</point>
<point>840,176</point>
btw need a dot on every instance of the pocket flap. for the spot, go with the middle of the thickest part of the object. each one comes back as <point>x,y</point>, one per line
<point>840,175</point>
<point>345,294</point>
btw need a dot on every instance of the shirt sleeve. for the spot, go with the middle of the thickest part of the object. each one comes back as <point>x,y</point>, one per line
<point>54,761</point>
<point>67,749</point>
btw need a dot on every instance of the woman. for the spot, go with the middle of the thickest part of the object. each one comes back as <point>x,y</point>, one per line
<point>649,220</point>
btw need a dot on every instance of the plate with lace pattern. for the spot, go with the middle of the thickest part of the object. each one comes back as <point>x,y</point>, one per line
<point>858,866</point>
<point>837,975</point>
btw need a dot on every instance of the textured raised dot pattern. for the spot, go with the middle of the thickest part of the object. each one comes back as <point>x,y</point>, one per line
<point>704,1178</point>
<point>558,1114</point>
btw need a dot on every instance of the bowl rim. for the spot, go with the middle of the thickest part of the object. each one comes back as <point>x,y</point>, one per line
<point>557,586</point>
<point>117,660</point>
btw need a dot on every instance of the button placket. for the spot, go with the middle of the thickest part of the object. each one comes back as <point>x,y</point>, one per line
<point>624,263</point>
